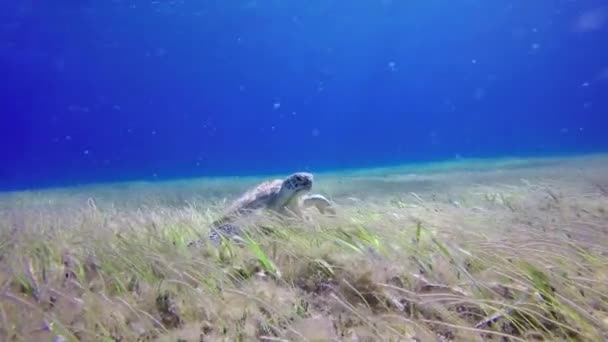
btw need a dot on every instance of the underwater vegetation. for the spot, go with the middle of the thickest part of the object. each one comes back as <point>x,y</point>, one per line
<point>499,254</point>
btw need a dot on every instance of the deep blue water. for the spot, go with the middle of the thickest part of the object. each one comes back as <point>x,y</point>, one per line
<point>117,90</point>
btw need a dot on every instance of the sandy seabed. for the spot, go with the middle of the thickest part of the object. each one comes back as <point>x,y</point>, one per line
<point>471,250</point>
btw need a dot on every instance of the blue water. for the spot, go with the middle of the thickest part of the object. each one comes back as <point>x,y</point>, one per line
<point>117,90</point>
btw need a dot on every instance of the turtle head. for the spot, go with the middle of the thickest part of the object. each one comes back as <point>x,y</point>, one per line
<point>297,182</point>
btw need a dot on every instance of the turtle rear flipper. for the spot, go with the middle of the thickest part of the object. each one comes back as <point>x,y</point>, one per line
<point>226,231</point>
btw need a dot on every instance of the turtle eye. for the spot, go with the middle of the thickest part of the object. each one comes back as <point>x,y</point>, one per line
<point>298,178</point>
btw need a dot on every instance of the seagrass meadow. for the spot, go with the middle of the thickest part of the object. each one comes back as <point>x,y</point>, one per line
<point>488,250</point>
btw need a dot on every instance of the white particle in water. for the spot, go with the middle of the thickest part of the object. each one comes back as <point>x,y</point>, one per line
<point>591,20</point>
<point>160,52</point>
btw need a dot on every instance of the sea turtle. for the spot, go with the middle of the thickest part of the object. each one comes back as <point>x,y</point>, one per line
<point>286,197</point>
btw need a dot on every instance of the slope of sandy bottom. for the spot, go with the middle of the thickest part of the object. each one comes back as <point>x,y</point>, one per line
<point>467,251</point>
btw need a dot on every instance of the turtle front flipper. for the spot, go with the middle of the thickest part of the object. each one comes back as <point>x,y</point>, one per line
<point>320,202</point>
<point>226,231</point>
